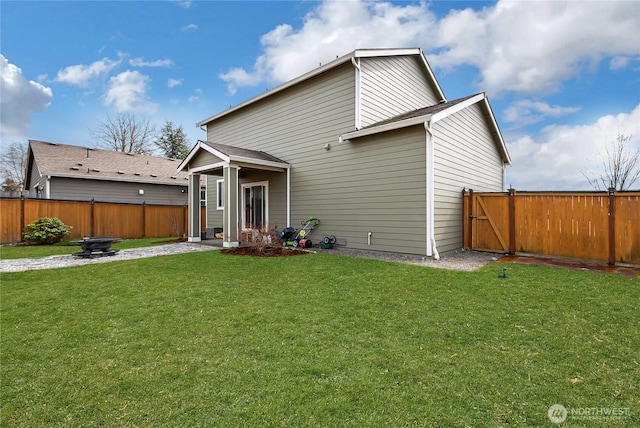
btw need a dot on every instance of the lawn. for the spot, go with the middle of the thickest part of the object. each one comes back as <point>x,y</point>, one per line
<point>67,247</point>
<point>208,339</point>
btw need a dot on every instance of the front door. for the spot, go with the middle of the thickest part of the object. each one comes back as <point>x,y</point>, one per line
<point>255,203</point>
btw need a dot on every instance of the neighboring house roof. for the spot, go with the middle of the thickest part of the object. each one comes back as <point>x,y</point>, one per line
<point>235,154</point>
<point>359,53</point>
<point>435,113</point>
<point>63,160</point>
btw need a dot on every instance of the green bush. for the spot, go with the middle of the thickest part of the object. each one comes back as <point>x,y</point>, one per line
<point>46,230</point>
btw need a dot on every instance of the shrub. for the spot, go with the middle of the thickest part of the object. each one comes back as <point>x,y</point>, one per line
<point>46,230</point>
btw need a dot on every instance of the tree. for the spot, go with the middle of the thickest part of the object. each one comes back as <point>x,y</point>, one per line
<point>620,166</point>
<point>125,133</point>
<point>13,165</point>
<point>172,142</point>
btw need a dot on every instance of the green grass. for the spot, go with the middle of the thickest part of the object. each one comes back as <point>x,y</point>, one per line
<point>207,339</point>
<point>66,247</point>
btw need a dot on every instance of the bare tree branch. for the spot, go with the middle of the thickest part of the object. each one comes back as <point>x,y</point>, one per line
<point>125,133</point>
<point>620,166</point>
<point>13,165</point>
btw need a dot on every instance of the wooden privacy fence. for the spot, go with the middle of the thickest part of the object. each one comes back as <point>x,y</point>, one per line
<point>598,226</point>
<point>88,218</point>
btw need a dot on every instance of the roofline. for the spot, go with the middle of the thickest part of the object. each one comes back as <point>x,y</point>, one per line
<point>120,180</point>
<point>358,53</point>
<point>228,159</point>
<point>433,118</point>
<point>177,181</point>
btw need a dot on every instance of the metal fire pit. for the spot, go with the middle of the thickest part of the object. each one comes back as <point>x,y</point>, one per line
<point>96,247</point>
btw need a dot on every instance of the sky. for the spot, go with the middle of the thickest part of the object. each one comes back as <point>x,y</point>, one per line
<point>562,77</point>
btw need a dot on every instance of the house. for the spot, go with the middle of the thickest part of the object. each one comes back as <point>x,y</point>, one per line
<point>62,171</point>
<point>367,143</point>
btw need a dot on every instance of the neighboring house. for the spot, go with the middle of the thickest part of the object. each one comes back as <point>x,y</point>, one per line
<point>367,143</point>
<point>62,171</point>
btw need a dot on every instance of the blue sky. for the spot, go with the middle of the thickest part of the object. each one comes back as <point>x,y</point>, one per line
<point>563,78</point>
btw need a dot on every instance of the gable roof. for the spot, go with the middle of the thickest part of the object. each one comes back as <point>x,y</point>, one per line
<point>435,113</point>
<point>64,160</point>
<point>228,154</point>
<point>352,56</point>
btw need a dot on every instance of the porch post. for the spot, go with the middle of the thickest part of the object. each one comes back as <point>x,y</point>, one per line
<point>194,207</point>
<point>230,222</point>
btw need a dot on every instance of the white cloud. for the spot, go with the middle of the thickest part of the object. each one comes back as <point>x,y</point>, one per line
<point>20,98</point>
<point>140,62</point>
<point>185,4</point>
<point>556,160</point>
<point>532,47</point>
<point>190,27</point>
<point>525,47</point>
<point>172,83</point>
<point>81,75</point>
<point>332,29</point>
<point>127,92</point>
<point>527,112</point>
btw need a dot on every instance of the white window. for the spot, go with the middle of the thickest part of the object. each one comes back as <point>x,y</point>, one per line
<point>203,196</point>
<point>220,194</point>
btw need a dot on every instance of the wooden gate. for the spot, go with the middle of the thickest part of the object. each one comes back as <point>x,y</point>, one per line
<point>487,228</point>
<point>583,225</point>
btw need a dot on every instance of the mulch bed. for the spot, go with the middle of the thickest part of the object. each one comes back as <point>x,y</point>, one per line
<point>264,252</point>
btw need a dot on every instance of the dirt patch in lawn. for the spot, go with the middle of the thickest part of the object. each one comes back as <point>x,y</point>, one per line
<point>264,252</point>
<point>631,271</point>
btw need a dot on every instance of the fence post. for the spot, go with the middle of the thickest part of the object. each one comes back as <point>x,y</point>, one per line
<point>144,219</point>
<point>512,221</point>
<point>21,217</point>
<point>92,220</point>
<point>470,219</point>
<point>612,227</point>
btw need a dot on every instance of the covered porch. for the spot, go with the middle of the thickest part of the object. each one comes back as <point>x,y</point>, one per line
<point>253,190</point>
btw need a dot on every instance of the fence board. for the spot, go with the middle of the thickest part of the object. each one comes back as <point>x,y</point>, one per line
<point>127,221</point>
<point>10,220</point>
<point>628,228</point>
<point>564,224</point>
<point>75,214</point>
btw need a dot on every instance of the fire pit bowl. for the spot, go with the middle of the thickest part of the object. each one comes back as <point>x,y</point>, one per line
<point>100,246</point>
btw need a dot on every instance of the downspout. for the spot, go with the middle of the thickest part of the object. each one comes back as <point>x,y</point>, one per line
<point>431,237</point>
<point>47,188</point>
<point>288,197</point>
<point>356,64</point>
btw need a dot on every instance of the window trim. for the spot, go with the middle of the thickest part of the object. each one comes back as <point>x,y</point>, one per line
<point>220,194</point>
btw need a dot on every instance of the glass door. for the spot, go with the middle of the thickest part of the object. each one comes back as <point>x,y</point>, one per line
<point>255,203</point>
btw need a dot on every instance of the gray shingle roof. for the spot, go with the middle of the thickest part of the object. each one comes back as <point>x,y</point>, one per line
<point>63,160</point>
<point>232,152</point>
<point>421,112</point>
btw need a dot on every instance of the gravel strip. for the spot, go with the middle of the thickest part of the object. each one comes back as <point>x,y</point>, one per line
<point>51,262</point>
<point>461,260</point>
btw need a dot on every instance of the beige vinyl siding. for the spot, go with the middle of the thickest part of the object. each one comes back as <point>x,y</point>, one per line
<point>214,215</point>
<point>375,184</point>
<point>37,181</point>
<point>391,86</point>
<point>294,125</point>
<point>203,158</point>
<point>465,157</point>
<point>113,191</point>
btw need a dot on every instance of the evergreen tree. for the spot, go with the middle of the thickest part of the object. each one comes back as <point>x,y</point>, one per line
<point>172,142</point>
